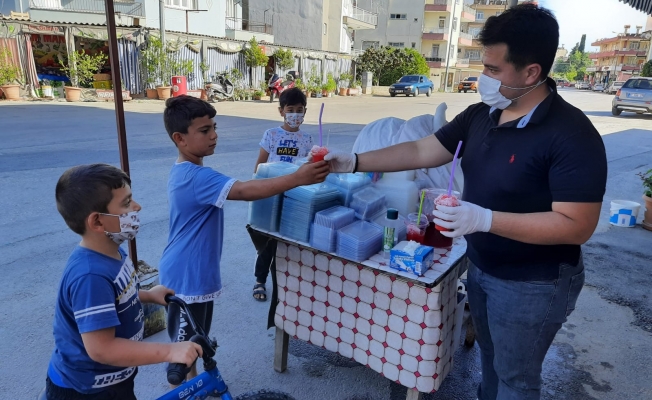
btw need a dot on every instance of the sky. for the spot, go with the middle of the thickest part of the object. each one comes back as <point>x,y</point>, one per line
<point>595,18</point>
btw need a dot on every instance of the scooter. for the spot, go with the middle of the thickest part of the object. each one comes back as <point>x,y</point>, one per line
<point>277,85</point>
<point>221,89</point>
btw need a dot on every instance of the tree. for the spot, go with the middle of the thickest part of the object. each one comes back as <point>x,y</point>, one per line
<point>562,67</point>
<point>646,70</point>
<point>254,55</point>
<point>388,64</point>
<point>582,45</point>
<point>284,58</point>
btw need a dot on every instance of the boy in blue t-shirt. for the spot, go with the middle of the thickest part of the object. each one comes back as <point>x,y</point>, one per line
<point>285,143</point>
<point>98,319</point>
<point>190,264</point>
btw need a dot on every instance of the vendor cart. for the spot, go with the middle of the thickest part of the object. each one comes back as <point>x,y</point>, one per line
<point>403,326</point>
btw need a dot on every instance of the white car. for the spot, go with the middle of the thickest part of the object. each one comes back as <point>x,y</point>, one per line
<point>613,88</point>
<point>598,87</point>
<point>583,85</point>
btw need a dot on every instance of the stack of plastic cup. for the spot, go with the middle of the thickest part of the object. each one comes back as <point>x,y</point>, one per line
<point>324,230</point>
<point>367,203</point>
<point>300,206</point>
<point>266,213</point>
<point>359,241</point>
<point>348,184</point>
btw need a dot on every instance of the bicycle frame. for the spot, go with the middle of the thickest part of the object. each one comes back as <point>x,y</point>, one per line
<point>209,383</point>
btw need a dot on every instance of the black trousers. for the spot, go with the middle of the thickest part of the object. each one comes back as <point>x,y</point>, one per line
<point>266,263</point>
<point>121,391</point>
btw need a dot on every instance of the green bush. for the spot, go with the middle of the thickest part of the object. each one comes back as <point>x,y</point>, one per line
<point>9,73</point>
<point>647,69</point>
<point>284,58</point>
<point>388,64</point>
<point>80,67</point>
<point>254,55</point>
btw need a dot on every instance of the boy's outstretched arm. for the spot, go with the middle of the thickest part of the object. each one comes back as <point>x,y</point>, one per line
<point>103,347</point>
<point>307,174</point>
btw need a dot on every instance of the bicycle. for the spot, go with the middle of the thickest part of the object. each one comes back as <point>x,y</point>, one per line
<point>210,382</point>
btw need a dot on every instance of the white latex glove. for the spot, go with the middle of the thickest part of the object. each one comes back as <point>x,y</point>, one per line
<point>340,161</point>
<point>465,219</point>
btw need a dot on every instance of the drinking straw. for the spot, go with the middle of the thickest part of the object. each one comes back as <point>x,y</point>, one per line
<point>450,182</point>
<point>320,130</point>
<point>423,195</point>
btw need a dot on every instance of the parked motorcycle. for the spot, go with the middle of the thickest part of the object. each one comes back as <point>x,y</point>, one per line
<point>277,85</point>
<point>221,89</point>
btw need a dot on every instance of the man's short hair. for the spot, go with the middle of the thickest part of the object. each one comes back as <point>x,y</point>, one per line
<point>180,111</point>
<point>292,97</point>
<point>85,189</point>
<point>531,34</point>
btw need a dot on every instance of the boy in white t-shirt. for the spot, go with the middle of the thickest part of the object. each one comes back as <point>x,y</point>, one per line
<point>286,143</point>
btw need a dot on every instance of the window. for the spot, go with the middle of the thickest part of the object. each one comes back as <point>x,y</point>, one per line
<point>399,45</point>
<point>479,15</point>
<point>414,45</point>
<point>452,49</point>
<point>369,44</point>
<point>435,51</point>
<point>325,28</point>
<point>442,22</point>
<point>634,45</point>
<point>473,55</point>
<point>188,4</point>
<point>475,32</point>
<point>455,24</point>
<point>397,16</point>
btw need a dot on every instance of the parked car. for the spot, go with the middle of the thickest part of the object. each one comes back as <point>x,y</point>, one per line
<point>563,83</point>
<point>635,95</point>
<point>412,85</point>
<point>598,87</point>
<point>469,83</point>
<point>583,86</point>
<point>613,88</point>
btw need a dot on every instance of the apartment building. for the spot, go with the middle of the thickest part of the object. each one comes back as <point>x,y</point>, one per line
<point>621,56</point>
<point>328,25</point>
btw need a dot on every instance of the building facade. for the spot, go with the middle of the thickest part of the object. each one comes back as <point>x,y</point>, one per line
<point>328,25</point>
<point>620,57</point>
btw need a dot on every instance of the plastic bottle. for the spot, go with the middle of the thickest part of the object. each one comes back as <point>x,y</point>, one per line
<point>390,232</point>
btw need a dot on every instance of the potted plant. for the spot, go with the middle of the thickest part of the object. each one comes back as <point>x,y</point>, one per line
<point>80,68</point>
<point>46,88</point>
<point>353,88</point>
<point>56,92</point>
<point>258,94</point>
<point>345,78</point>
<point>647,197</point>
<point>301,86</point>
<point>9,76</point>
<point>330,86</point>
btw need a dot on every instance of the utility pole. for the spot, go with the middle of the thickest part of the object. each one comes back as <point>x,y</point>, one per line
<point>450,39</point>
<point>161,17</point>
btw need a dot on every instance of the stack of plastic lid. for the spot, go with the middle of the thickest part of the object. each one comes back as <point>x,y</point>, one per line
<point>367,203</point>
<point>324,230</point>
<point>379,221</point>
<point>300,206</point>
<point>348,184</point>
<point>359,241</point>
<point>266,213</point>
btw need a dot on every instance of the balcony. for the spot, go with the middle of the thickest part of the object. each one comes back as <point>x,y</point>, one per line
<point>435,33</point>
<point>126,8</point>
<point>462,63</point>
<point>489,4</point>
<point>475,61</point>
<point>613,53</point>
<point>244,29</point>
<point>465,39</point>
<point>439,5</point>
<point>468,14</point>
<point>358,18</point>
<point>434,62</point>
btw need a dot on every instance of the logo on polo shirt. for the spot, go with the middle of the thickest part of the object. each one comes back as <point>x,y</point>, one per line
<point>511,160</point>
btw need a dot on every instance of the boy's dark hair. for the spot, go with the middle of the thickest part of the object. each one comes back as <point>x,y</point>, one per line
<point>531,34</point>
<point>180,111</point>
<point>84,189</point>
<point>292,97</point>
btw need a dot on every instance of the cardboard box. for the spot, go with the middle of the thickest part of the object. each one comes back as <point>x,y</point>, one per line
<point>102,85</point>
<point>411,257</point>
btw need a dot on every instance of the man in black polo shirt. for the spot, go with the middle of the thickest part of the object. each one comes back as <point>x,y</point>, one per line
<point>535,173</point>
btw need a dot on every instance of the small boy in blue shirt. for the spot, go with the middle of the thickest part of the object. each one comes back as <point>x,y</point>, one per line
<point>98,318</point>
<point>190,264</point>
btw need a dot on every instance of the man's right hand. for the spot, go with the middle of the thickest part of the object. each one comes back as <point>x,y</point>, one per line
<point>341,162</point>
<point>184,353</point>
<point>311,173</point>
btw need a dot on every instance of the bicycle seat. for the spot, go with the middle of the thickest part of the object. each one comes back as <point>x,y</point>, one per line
<point>41,395</point>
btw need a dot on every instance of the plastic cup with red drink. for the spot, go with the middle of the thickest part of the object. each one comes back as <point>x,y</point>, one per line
<point>447,200</point>
<point>318,153</point>
<point>416,227</point>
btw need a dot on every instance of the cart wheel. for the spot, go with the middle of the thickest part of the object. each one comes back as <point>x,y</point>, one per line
<point>264,395</point>
<point>469,339</point>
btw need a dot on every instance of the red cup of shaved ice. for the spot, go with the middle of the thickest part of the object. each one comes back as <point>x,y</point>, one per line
<point>318,153</point>
<point>447,200</point>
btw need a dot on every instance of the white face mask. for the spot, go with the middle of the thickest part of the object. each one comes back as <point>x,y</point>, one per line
<point>129,224</point>
<point>489,89</point>
<point>294,120</point>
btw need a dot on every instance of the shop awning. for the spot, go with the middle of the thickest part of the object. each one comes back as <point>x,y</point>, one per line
<point>641,5</point>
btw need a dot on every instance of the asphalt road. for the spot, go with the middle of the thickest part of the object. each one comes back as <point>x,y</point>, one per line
<point>603,352</point>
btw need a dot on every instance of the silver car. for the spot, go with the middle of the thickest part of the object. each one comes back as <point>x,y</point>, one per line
<point>635,96</point>
<point>613,88</point>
